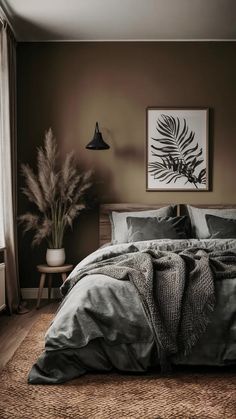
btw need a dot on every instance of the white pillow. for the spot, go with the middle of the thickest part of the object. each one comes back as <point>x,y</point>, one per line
<point>198,219</point>
<point>119,226</point>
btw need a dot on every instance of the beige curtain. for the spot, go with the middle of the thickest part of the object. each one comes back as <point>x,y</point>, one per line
<point>9,162</point>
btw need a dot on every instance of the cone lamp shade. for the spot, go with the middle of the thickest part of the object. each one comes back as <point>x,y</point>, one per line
<point>97,142</point>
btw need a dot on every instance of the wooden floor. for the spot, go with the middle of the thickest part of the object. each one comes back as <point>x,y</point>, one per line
<point>14,328</point>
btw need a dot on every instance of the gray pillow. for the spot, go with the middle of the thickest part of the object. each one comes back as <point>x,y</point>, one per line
<point>119,225</point>
<point>198,219</point>
<point>221,228</point>
<point>154,228</point>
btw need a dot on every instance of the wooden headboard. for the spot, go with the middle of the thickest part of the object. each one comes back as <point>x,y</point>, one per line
<point>104,221</point>
<point>183,208</point>
<point>105,209</point>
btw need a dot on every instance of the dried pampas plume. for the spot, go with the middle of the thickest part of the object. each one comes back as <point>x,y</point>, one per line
<point>59,194</point>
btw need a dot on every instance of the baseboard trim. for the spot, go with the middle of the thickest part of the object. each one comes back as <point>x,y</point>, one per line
<point>32,293</point>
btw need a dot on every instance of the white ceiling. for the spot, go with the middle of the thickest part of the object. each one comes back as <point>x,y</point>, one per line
<point>85,20</point>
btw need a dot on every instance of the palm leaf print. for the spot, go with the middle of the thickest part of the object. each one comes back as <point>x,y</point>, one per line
<point>178,153</point>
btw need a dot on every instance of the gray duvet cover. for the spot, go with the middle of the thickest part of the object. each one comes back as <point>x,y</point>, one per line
<point>101,323</point>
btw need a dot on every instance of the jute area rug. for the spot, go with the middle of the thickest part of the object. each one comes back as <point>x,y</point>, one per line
<point>112,396</point>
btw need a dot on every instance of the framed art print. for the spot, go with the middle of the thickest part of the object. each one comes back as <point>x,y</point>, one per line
<point>177,149</point>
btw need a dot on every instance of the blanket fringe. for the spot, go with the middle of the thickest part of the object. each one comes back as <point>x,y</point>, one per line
<point>199,329</point>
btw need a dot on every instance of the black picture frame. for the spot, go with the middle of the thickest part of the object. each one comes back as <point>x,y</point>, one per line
<point>177,149</point>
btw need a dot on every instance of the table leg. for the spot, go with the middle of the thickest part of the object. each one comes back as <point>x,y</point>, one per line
<point>49,286</point>
<point>41,285</point>
<point>63,275</point>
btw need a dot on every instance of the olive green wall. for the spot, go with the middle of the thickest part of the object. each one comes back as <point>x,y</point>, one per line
<point>70,86</point>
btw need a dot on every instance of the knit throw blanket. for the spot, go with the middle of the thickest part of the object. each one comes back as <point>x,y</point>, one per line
<point>176,290</point>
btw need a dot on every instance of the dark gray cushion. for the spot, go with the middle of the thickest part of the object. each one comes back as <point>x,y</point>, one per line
<point>153,228</point>
<point>119,225</point>
<point>221,228</point>
<point>198,219</point>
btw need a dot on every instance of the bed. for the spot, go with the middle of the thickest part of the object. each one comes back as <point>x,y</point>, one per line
<point>146,304</point>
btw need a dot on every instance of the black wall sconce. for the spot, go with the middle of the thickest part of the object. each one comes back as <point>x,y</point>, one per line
<point>97,142</point>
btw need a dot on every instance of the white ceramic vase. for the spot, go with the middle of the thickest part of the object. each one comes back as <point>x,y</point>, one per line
<point>55,257</point>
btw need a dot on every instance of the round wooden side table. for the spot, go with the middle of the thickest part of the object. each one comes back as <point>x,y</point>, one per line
<point>49,270</point>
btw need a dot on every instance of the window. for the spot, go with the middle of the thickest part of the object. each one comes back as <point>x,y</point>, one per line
<point>2,240</point>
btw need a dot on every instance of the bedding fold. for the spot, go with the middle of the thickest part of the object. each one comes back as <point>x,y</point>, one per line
<point>176,291</point>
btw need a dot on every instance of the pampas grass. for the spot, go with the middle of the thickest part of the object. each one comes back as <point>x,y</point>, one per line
<point>58,194</point>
